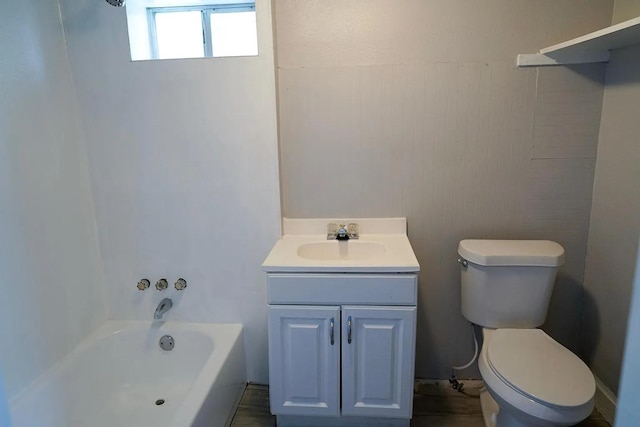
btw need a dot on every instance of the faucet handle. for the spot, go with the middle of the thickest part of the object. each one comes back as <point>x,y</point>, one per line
<point>332,231</point>
<point>143,284</point>
<point>353,230</point>
<point>162,284</point>
<point>180,284</point>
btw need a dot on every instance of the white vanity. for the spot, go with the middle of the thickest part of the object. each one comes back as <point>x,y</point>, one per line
<point>342,318</point>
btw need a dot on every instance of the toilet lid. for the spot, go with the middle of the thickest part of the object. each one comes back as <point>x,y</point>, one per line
<point>531,362</point>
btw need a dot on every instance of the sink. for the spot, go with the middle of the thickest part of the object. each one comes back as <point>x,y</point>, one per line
<point>383,247</point>
<point>334,250</point>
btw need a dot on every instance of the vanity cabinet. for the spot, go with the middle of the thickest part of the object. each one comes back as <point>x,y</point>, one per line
<point>342,324</point>
<point>375,345</point>
<point>342,360</point>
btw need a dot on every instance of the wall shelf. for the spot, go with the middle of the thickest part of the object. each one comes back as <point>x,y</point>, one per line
<point>592,47</point>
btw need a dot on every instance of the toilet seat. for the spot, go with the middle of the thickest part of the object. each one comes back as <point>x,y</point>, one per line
<point>536,366</point>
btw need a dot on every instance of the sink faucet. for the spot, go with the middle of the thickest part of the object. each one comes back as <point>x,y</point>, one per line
<point>162,308</point>
<point>342,232</point>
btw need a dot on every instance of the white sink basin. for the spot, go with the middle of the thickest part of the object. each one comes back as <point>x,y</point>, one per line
<point>346,250</point>
<point>383,247</point>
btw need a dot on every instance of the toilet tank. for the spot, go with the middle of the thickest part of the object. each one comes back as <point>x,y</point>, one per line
<point>508,283</point>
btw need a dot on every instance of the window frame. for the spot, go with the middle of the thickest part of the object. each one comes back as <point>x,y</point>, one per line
<point>205,11</point>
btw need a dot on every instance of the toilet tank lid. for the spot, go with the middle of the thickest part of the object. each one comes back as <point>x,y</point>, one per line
<point>538,253</point>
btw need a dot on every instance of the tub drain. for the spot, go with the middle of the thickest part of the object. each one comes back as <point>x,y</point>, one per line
<point>160,402</point>
<point>166,343</point>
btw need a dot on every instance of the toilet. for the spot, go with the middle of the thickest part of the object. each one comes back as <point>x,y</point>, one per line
<point>529,378</point>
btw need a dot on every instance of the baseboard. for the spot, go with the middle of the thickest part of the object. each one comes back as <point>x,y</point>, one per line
<point>605,401</point>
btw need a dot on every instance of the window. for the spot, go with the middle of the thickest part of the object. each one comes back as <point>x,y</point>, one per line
<point>203,31</point>
<point>169,29</point>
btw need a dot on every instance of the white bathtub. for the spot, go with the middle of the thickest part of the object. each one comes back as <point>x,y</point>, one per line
<point>115,377</point>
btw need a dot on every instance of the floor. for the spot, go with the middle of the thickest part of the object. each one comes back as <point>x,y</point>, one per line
<point>433,406</point>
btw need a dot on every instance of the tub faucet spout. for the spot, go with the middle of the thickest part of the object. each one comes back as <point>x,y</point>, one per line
<point>162,308</point>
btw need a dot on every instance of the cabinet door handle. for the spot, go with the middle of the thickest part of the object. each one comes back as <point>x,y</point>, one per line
<point>349,330</point>
<point>331,331</point>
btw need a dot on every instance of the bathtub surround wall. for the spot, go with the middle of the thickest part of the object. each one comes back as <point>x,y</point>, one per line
<point>414,108</point>
<point>50,272</point>
<point>615,220</point>
<point>184,173</point>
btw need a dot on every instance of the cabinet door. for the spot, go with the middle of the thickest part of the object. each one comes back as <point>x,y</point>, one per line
<point>378,347</point>
<point>304,360</point>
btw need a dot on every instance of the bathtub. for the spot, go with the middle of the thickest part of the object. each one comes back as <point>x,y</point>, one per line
<point>120,376</point>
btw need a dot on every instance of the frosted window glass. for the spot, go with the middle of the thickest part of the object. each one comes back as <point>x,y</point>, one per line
<point>234,34</point>
<point>179,34</point>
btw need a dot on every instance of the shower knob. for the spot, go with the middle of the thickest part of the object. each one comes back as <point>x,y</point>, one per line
<point>162,284</point>
<point>143,284</point>
<point>181,284</point>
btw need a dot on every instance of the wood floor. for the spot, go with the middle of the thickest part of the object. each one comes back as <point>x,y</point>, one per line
<point>433,406</point>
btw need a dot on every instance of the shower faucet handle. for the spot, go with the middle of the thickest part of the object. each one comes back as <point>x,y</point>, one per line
<point>162,284</point>
<point>143,284</point>
<point>180,284</point>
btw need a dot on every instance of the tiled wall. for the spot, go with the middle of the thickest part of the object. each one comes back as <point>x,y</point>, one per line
<point>464,148</point>
<point>625,9</point>
<point>568,106</point>
<point>615,221</point>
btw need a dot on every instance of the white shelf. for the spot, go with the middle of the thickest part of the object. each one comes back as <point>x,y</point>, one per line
<point>592,47</point>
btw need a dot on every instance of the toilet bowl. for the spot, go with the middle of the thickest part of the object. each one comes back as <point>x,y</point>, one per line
<point>533,380</point>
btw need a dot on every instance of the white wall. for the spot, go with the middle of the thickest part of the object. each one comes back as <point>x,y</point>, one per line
<point>627,413</point>
<point>615,220</point>
<point>625,9</point>
<point>184,172</point>
<point>50,273</point>
<point>415,108</point>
